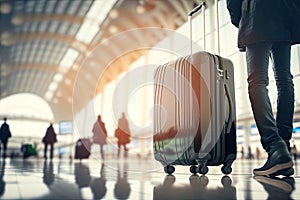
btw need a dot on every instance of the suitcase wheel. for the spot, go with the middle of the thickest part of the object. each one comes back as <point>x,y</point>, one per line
<point>226,169</point>
<point>202,169</point>
<point>193,169</point>
<point>169,169</point>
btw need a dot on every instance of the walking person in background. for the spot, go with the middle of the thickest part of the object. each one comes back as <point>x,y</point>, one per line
<point>5,134</point>
<point>242,152</point>
<point>49,139</point>
<point>122,133</point>
<point>257,153</point>
<point>268,29</point>
<point>99,134</point>
<point>295,152</point>
<point>250,155</point>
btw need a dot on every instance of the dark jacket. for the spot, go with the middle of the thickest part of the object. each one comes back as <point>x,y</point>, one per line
<point>5,132</point>
<point>265,21</point>
<point>50,136</point>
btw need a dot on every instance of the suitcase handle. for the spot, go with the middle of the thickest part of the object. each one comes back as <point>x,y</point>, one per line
<point>197,8</point>
<point>228,128</point>
<point>230,117</point>
<point>202,6</point>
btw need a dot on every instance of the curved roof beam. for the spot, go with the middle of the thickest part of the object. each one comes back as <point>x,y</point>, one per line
<point>51,17</point>
<point>11,69</point>
<point>71,41</point>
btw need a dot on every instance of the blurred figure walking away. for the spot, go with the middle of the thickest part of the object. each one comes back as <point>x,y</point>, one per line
<point>4,135</point>
<point>257,153</point>
<point>250,155</point>
<point>49,139</point>
<point>242,153</point>
<point>99,134</point>
<point>295,152</point>
<point>122,133</point>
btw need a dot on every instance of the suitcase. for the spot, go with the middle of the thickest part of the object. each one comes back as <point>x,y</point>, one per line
<point>28,150</point>
<point>194,114</point>
<point>82,148</point>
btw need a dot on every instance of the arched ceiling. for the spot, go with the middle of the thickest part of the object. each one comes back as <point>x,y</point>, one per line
<point>44,42</point>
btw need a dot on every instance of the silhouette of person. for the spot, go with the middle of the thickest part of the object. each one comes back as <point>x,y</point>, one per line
<point>2,182</point>
<point>99,134</point>
<point>268,29</point>
<point>122,133</point>
<point>48,175</point>
<point>295,152</point>
<point>257,153</point>
<point>49,139</point>
<point>242,153</point>
<point>5,134</point>
<point>122,187</point>
<point>98,185</point>
<point>250,156</point>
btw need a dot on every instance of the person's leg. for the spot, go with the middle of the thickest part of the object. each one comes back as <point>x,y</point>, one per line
<point>4,148</point>
<point>119,149</point>
<point>101,151</point>
<point>281,55</point>
<point>125,151</point>
<point>45,150</point>
<point>51,150</point>
<point>257,66</point>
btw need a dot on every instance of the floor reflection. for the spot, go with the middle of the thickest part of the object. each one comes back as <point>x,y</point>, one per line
<point>48,173</point>
<point>98,185</point>
<point>82,175</point>
<point>124,179</point>
<point>197,189</point>
<point>122,187</point>
<point>2,182</point>
<point>277,188</point>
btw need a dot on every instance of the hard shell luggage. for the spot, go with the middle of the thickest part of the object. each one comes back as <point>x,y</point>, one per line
<point>194,115</point>
<point>83,148</point>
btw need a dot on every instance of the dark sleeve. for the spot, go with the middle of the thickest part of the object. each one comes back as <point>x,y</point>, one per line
<point>234,7</point>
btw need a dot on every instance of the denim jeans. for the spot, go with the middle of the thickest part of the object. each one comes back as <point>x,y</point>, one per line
<point>273,131</point>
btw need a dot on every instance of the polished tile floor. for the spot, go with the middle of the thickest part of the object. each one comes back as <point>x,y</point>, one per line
<point>136,178</point>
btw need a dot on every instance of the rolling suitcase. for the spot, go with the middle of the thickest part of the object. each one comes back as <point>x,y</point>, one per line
<point>82,148</point>
<point>28,150</point>
<point>194,115</point>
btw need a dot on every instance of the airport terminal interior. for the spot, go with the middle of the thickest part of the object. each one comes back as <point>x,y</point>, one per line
<point>73,67</point>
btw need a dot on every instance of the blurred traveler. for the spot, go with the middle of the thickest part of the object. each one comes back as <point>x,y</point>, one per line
<point>49,139</point>
<point>268,29</point>
<point>5,134</point>
<point>257,153</point>
<point>122,133</point>
<point>295,152</point>
<point>250,155</point>
<point>99,134</point>
<point>242,153</point>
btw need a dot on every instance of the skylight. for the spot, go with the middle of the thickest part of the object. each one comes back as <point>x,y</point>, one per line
<point>69,59</point>
<point>93,20</point>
